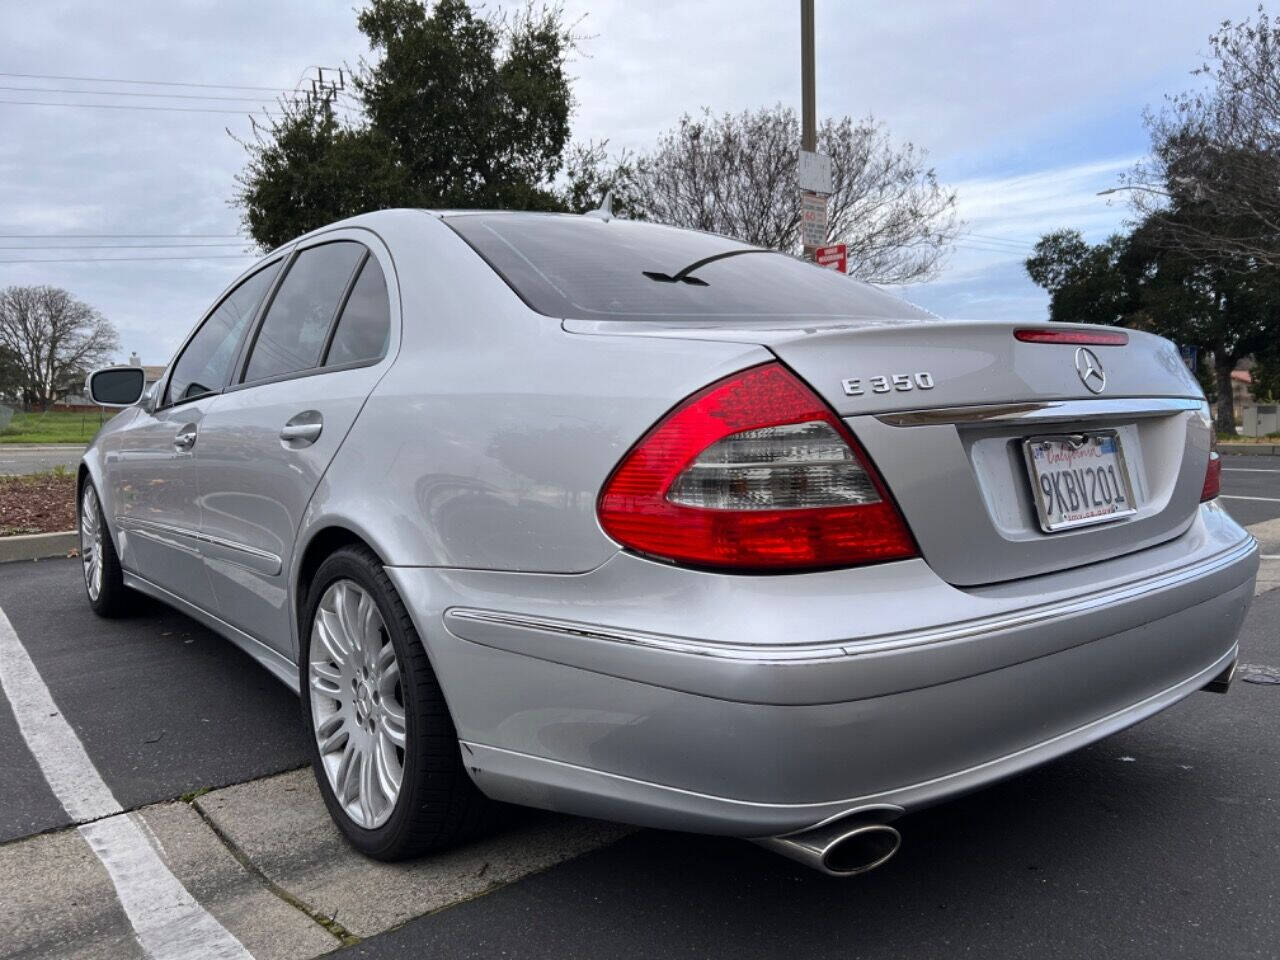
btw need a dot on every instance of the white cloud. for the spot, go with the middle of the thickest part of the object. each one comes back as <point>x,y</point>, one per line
<point>1022,106</point>
<point>1004,217</point>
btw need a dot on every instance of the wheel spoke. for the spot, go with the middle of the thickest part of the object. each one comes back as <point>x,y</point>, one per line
<point>346,766</point>
<point>325,631</point>
<point>347,621</point>
<point>326,676</point>
<point>389,769</point>
<point>367,787</point>
<point>370,627</point>
<point>392,722</point>
<point>337,737</point>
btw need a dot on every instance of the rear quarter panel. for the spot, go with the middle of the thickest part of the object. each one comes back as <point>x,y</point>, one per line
<point>486,444</point>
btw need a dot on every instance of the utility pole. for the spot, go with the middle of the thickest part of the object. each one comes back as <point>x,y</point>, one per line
<point>808,76</point>
<point>814,173</point>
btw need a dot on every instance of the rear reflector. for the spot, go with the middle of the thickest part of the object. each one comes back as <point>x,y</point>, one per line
<point>1088,338</point>
<point>753,472</point>
<point>1212,477</point>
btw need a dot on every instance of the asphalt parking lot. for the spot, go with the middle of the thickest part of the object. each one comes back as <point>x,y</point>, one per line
<point>1161,841</point>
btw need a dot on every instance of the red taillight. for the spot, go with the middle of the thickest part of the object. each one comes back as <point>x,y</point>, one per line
<point>1087,338</point>
<point>753,472</point>
<point>1212,476</point>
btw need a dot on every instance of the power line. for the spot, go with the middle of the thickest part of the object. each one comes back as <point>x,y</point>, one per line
<point>129,93</point>
<point>126,106</point>
<point>155,83</point>
<point>118,236</point>
<point>1004,240</point>
<point>216,256</point>
<point>120,246</point>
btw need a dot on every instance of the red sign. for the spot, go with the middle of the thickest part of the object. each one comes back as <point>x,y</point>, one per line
<point>834,257</point>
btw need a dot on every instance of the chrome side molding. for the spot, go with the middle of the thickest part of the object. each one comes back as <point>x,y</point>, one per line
<point>260,561</point>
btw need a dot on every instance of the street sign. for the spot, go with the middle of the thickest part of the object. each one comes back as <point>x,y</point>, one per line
<point>813,219</point>
<point>814,173</point>
<point>834,257</point>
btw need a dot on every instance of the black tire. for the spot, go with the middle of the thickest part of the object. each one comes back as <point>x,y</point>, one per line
<point>114,599</point>
<point>438,806</point>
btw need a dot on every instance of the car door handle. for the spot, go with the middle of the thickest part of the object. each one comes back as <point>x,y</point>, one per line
<point>186,438</point>
<point>302,430</point>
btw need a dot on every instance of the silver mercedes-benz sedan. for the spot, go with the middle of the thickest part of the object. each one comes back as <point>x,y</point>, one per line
<point>646,524</point>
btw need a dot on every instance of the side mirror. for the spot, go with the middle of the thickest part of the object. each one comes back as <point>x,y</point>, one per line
<point>117,386</point>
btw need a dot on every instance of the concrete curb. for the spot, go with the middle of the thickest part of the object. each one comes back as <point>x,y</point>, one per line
<point>1251,449</point>
<point>38,546</point>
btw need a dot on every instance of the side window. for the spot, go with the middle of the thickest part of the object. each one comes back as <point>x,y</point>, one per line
<point>207,359</point>
<point>294,330</point>
<point>365,325</point>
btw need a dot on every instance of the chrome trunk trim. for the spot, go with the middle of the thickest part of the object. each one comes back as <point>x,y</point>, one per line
<point>1049,411</point>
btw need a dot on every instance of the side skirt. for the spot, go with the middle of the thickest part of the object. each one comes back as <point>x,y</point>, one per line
<point>279,666</point>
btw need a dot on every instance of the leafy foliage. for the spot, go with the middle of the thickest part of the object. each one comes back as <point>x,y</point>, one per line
<point>458,110</point>
<point>1086,284</point>
<point>1143,281</point>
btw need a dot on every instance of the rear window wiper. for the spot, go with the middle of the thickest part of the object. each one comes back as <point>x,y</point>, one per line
<point>685,275</point>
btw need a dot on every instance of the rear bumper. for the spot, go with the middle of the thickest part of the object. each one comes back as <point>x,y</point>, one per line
<point>755,719</point>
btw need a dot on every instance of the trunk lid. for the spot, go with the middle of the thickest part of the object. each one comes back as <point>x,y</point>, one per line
<point>944,410</point>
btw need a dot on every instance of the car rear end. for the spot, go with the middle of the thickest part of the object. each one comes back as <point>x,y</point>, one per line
<point>889,560</point>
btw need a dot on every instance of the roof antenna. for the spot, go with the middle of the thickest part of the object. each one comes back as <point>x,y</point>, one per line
<point>605,210</point>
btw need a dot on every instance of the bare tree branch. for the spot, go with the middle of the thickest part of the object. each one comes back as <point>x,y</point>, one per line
<point>1212,182</point>
<point>737,175</point>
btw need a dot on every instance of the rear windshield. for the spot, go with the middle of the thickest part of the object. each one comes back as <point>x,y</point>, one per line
<point>588,269</point>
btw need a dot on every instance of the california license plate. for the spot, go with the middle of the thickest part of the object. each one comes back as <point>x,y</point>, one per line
<point>1079,479</point>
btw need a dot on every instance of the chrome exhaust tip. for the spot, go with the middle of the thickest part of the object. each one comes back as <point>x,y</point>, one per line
<point>844,848</point>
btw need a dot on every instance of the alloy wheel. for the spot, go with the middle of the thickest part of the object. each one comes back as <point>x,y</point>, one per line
<point>91,541</point>
<point>357,703</point>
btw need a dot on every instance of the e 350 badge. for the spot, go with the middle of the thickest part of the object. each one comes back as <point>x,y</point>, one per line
<point>901,382</point>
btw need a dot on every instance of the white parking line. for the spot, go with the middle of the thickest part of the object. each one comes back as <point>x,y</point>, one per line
<point>72,777</point>
<point>167,921</point>
<point>1262,499</point>
<point>1247,470</point>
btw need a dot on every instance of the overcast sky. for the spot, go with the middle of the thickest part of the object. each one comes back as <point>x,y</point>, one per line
<point>1026,108</point>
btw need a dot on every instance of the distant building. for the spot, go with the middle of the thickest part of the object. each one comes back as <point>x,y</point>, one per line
<point>1241,388</point>
<point>152,371</point>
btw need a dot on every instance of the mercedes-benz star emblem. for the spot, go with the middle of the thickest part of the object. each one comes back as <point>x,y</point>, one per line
<point>1090,369</point>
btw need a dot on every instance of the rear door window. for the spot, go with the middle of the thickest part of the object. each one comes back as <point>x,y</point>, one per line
<point>292,334</point>
<point>365,325</point>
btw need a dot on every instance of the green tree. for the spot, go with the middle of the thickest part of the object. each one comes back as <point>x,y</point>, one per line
<point>458,109</point>
<point>1086,284</point>
<point>1144,281</point>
